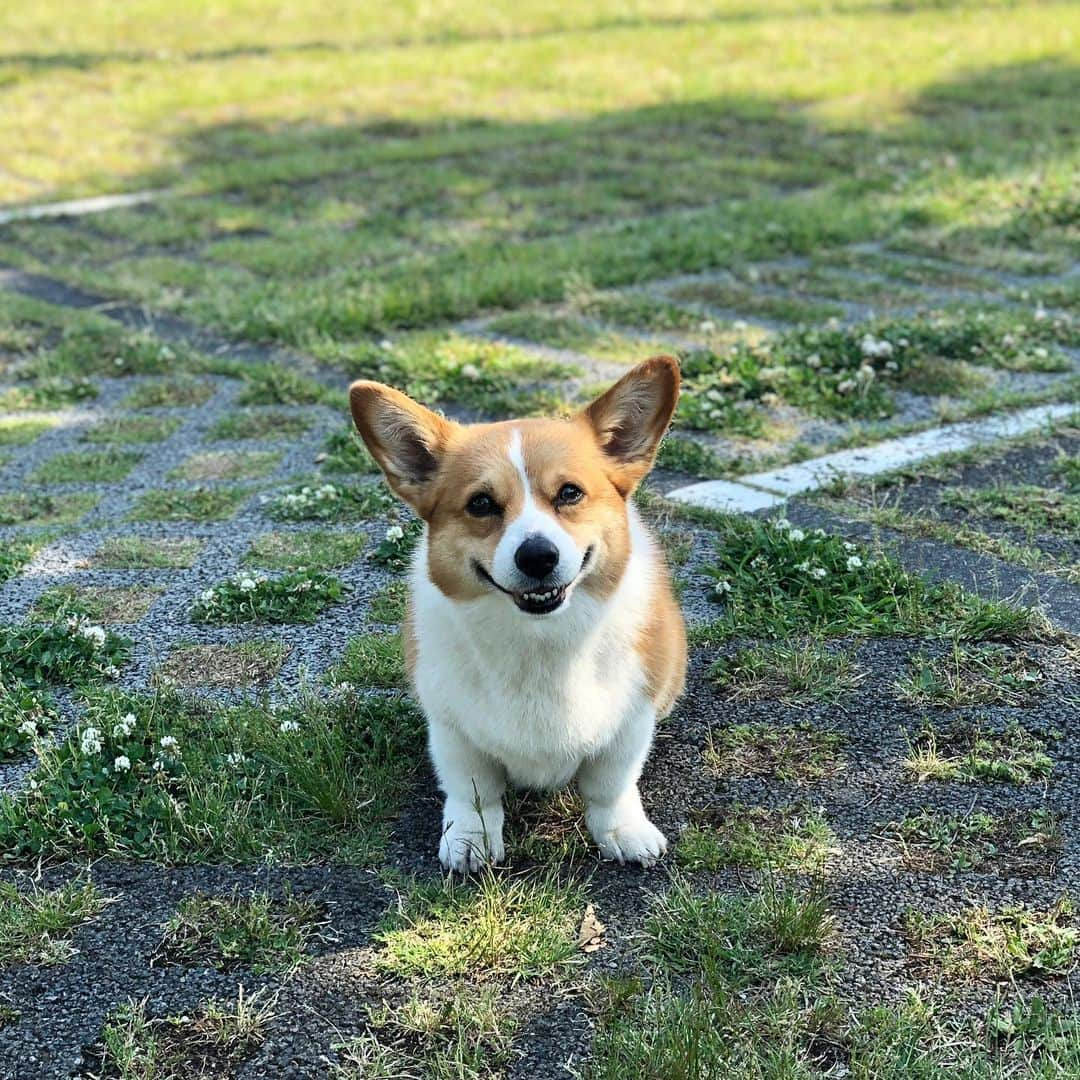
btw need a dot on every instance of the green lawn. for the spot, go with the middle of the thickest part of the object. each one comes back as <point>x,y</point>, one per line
<point>358,173</point>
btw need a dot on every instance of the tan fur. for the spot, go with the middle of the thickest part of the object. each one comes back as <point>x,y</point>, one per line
<point>662,648</point>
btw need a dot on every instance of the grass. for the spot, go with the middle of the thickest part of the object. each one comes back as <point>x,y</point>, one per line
<point>977,944</point>
<point>345,452</point>
<point>100,603</point>
<point>277,384</point>
<point>519,928</point>
<point>145,553</point>
<point>984,675</point>
<point>775,581</point>
<point>189,504</point>
<point>388,605</point>
<point>38,508</point>
<point>739,941</point>
<point>131,429</point>
<point>36,924</point>
<point>789,753</point>
<point>14,555</point>
<point>328,502</point>
<point>264,424</point>
<point>969,754</point>
<point>549,828</point>
<point>794,674</point>
<point>494,377</point>
<point>460,1033</point>
<point>225,465</point>
<point>180,392</point>
<point>248,663</point>
<point>201,782</point>
<point>26,715</point>
<point>371,660</point>
<point>682,454</point>
<point>243,930</point>
<point>1014,844</point>
<point>296,597</point>
<point>47,393</point>
<point>312,549</point>
<point>16,432</point>
<point>71,651</point>
<point>214,1040</point>
<point>1032,509</point>
<point>792,839</point>
<point>95,467</point>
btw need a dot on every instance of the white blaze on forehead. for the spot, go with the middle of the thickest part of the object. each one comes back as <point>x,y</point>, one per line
<point>517,459</point>
<point>532,521</point>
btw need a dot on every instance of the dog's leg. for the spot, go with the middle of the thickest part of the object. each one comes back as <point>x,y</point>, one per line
<point>474,783</point>
<point>613,810</point>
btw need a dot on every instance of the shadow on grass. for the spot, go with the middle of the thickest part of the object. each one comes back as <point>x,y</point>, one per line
<point>346,230</point>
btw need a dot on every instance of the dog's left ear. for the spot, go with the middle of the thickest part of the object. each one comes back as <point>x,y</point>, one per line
<point>631,418</point>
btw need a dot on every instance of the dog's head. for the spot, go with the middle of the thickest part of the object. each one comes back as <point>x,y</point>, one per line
<point>532,509</point>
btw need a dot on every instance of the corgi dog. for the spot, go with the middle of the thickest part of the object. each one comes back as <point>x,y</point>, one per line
<point>542,638</point>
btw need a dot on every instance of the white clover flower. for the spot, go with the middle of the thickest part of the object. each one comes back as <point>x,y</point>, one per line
<point>846,386</point>
<point>170,744</point>
<point>90,741</point>
<point>124,726</point>
<point>854,562</point>
<point>122,764</point>
<point>111,671</point>
<point>234,759</point>
<point>246,584</point>
<point>288,727</point>
<point>94,634</point>
<point>848,545</point>
<point>722,587</point>
<point>813,361</point>
<point>819,572</point>
<point>797,535</point>
<point>208,596</point>
<point>706,326</point>
<point>28,728</point>
<point>395,533</point>
<point>876,348</point>
<point>803,567</point>
<point>782,524</point>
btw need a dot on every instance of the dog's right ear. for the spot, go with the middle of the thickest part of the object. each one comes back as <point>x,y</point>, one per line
<point>404,438</point>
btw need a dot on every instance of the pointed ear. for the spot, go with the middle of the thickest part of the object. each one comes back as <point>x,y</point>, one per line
<point>406,439</point>
<point>632,417</point>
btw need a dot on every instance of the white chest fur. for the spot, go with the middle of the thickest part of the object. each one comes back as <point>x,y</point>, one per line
<point>537,694</point>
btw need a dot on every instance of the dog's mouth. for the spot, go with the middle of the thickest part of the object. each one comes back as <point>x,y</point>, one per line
<point>537,601</point>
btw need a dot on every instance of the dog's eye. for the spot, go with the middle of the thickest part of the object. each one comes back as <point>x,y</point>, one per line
<point>482,505</point>
<point>568,495</point>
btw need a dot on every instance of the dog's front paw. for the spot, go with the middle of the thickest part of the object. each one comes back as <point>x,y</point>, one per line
<point>626,838</point>
<point>470,839</point>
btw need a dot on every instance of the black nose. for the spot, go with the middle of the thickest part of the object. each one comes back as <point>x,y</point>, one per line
<point>537,556</point>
